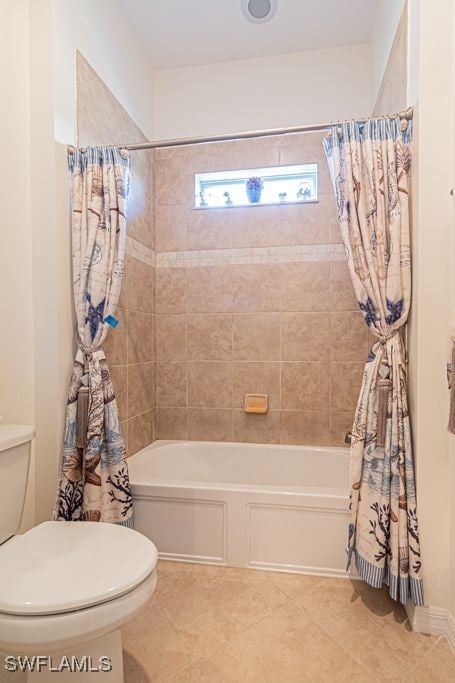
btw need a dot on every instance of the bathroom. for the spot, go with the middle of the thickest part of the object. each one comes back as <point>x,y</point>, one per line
<point>224,305</point>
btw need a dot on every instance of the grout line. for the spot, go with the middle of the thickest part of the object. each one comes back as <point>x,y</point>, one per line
<point>330,354</point>
<point>186,347</point>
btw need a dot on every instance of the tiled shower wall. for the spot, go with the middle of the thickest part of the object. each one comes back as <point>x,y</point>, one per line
<point>392,96</point>
<point>130,351</point>
<point>254,299</point>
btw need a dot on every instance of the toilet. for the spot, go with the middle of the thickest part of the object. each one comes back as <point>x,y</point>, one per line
<point>66,588</point>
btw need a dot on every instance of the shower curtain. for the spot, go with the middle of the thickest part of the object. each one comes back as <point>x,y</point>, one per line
<point>370,164</point>
<point>94,483</point>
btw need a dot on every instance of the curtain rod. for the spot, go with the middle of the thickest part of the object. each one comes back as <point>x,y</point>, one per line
<point>158,144</point>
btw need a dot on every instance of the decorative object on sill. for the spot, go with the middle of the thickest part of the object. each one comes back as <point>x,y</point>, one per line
<point>202,198</point>
<point>256,403</point>
<point>254,186</point>
<point>282,196</point>
<point>227,198</point>
<point>304,191</point>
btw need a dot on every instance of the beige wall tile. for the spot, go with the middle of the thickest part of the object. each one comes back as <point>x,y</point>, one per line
<point>140,432</point>
<point>139,200</point>
<point>305,223</point>
<point>309,428</point>
<point>392,94</point>
<point>249,428</point>
<point>141,388</point>
<point>119,380</point>
<point>171,222</point>
<point>205,424</point>
<point>171,384</point>
<point>170,290</point>
<point>210,385</point>
<point>210,337</point>
<point>140,337</point>
<point>172,423</point>
<point>305,386</point>
<point>171,337</point>
<point>256,226</point>
<point>124,428</point>
<point>140,287</point>
<point>305,336</point>
<point>340,425</point>
<point>256,288</point>
<point>257,378</point>
<point>302,148</point>
<point>174,184</point>
<point>348,337</point>
<point>115,345</point>
<point>122,300</point>
<point>305,286</point>
<point>256,336</point>
<point>346,380</point>
<point>256,153</point>
<point>132,340</point>
<point>335,233</point>
<point>342,296</point>
<point>210,229</point>
<point>233,311</point>
<point>209,289</point>
<point>111,124</point>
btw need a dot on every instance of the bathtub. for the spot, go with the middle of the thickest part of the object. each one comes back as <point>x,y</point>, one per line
<point>283,508</point>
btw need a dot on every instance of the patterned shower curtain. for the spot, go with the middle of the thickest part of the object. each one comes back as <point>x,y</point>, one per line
<point>370,165</point>
<point>94,483</point>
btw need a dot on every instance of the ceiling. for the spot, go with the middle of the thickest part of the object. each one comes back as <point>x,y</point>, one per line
<point>188,32</point>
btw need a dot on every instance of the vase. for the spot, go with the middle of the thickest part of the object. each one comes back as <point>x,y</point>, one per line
<point>253,194</point>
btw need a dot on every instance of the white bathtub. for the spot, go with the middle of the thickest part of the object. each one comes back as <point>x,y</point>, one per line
<point>245,505</point>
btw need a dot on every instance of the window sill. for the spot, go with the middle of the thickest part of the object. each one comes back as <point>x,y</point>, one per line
<point>256,205</point>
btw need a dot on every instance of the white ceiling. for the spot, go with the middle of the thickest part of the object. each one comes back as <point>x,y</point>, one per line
<point>188,32</point>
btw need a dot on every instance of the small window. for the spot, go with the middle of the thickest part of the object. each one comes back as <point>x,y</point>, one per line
<point>257,186</point>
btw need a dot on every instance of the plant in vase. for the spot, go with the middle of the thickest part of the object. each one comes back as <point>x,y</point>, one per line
<point>254,187</point>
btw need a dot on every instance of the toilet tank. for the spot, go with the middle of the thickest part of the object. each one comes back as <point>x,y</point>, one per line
<point>15,442</point>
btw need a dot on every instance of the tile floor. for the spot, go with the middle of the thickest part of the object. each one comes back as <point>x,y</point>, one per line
<point>216,624</point>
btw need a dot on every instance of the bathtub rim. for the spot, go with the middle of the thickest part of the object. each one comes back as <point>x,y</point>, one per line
<point>338,495</point>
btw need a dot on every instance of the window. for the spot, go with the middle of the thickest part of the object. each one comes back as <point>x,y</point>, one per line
<point>274,185</point>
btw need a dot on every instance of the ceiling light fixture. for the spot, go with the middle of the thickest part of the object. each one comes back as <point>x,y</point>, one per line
<point>259,11</point>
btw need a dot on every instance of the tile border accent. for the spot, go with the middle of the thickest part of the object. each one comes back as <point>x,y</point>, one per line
<point>140,252</point>
<point>250,255</point>
<point>246,255</point>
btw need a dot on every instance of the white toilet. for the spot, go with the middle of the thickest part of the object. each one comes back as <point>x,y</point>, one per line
<point>66,588</point>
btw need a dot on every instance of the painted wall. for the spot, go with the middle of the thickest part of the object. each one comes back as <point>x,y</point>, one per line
<point>385,25</point>
<point>431,94</point>
<point>17,401</point>
<point>253,300</point>
<point>129,347</point>
<point>287,90</point>
<point>452,310</point>
<point>41,42</point>
<point>101,32</point>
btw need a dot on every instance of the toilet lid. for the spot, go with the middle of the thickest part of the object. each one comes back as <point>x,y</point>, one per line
<point>63,566</point>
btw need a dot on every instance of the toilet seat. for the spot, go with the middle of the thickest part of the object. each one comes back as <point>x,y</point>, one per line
<point>59,567</point>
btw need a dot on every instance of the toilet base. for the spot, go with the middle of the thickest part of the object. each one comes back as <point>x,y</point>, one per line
<point>89,663</point>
